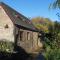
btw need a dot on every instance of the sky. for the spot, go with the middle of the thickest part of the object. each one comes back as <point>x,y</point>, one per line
<point>33,8</point>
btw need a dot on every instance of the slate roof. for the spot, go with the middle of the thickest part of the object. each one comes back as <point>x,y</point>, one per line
<point>18,18</point>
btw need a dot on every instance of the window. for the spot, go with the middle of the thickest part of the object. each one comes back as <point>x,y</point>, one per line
<point>28,35</point>
<point>6,26</point>
<point>21,35</point>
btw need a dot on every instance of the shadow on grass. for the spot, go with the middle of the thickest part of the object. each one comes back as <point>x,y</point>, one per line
<point>40,57</point>
<point>21,54</point>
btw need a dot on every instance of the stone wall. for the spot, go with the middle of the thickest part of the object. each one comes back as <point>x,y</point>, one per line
<point>6,26</point>
<point>26,42</point>
<point>40,42</point>
<point>35,40</point>
<point>30,42</point>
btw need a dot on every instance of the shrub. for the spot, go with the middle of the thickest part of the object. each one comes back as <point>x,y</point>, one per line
<point>6,46</point>
<point>52,54</point>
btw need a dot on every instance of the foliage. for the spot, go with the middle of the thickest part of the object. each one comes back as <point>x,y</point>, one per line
<point>51,38</point>
<point>6,46</point>
<point>56,4</point>
<point>52,54</point>
<point>42,23</point>
<point>52,42</point>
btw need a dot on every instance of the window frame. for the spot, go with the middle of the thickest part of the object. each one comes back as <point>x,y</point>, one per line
<point>21,35</point>
<point>28,35</point>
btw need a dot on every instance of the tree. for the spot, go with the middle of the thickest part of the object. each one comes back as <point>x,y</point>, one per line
<point>56,4</point>
<point>52,42</point>
<point>42,23</point>
<point>52,39</point>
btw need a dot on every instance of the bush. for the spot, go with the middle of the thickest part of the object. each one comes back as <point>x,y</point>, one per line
<point>6,46</point>
<point>52,54</point>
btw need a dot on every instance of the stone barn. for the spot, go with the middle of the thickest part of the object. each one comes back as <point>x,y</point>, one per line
<point>16,28</point>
